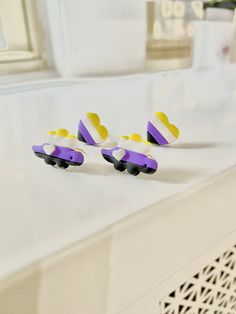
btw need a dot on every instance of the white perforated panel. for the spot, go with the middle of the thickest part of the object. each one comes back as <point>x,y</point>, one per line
<point>211,291</point>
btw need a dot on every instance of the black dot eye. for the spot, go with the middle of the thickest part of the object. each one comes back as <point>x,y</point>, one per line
<point>71,157</point>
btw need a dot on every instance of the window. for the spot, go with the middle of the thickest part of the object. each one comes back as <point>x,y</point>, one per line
<point>169,31</point>
<point>20,39</point>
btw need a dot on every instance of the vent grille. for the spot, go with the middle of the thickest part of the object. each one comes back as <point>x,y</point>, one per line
<point>211,291</point>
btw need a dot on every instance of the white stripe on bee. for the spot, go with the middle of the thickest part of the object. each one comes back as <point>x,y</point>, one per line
<point>138,147</point>
<point>68,142</point>
<point>92,129</point>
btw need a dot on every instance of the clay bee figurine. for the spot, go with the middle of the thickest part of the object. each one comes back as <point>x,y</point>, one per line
<point>60,150</point>
<point>90,130</point>
<point>160,131</point>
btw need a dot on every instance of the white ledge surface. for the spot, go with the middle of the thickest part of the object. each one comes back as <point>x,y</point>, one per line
<point>44,209</point>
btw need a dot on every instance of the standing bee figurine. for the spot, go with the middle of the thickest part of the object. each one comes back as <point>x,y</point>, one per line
<point>160,131</point>
<point>90,129</point>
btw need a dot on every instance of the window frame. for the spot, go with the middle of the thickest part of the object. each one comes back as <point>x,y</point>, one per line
<point>166,53</point>
<point>14,62</point>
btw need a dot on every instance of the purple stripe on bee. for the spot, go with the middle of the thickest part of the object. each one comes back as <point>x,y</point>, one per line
<point>156,134</point>
<point>61,152</point>
<point>133,157</point>
<point>85,133</point>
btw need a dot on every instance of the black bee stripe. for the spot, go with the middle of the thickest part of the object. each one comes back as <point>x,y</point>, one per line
<point>151,139</point>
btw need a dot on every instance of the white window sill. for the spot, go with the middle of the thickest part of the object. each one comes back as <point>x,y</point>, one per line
<point>52,209</point>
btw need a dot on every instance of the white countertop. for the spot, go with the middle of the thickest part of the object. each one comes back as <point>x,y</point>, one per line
<point>44,209</point>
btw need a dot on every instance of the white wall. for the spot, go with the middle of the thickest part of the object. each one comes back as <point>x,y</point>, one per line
<point>98,36</point>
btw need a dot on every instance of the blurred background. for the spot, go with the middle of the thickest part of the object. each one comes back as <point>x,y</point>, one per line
<point>91,38</point>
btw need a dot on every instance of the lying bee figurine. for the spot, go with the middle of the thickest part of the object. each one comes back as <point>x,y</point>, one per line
<point>59,150</point>
<point>131,153</point>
